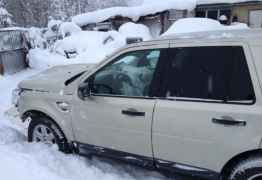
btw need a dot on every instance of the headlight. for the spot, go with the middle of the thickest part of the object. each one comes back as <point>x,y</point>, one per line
<point>15,96</point>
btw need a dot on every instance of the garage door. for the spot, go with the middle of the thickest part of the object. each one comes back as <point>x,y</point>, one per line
<point>255,19</point>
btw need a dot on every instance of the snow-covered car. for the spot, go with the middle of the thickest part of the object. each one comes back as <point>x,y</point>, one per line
<point>190,103</point>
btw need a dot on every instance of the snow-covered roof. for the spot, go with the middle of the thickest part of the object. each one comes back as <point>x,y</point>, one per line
<point>200,2</point>
<point>134,12</point>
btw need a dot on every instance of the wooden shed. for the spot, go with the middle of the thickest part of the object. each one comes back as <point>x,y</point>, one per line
<point>158,18</point>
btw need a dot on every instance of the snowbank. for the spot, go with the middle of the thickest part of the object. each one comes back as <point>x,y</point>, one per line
<point>189,25</point>
<point>134,12</point>
<point>135,30</point>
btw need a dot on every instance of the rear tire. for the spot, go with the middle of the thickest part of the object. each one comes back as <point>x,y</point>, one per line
<point>249,169</point>
<point>44,130</point>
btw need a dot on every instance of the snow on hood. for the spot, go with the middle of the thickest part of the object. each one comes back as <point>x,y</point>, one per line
<point>189,25</point>
<point>53,79</point>
<point>134,12</point>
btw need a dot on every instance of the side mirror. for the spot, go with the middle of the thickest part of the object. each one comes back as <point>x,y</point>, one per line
<point>84,90</point>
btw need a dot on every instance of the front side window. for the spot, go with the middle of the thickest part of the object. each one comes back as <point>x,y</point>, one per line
<point>210,73</point>
<point>129,75</point>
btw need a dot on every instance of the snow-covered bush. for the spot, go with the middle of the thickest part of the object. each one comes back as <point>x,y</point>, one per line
<point>132,30</point>
<point>52,32</point>
<point>68,28</point>
<point>91,46</point>
<point>5,18</point>
<point>35,37</point>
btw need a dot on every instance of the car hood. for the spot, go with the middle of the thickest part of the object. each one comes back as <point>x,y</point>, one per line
<point>54,79</point>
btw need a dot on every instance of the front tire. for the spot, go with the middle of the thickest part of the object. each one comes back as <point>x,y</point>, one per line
<point>249,169</point>
<point>44,130</point>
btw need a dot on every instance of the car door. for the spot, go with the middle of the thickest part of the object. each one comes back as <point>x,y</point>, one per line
<point>118,114</point>
<point>208,113</point>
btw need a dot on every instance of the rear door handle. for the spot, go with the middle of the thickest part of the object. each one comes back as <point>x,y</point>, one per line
<point>229,121</point>
<point>133,112</point>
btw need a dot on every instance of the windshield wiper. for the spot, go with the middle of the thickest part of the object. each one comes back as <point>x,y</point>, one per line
<point>72,79</point>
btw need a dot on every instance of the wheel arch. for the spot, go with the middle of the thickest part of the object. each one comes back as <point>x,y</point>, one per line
<point>41,113</point>
<point>236,159</point>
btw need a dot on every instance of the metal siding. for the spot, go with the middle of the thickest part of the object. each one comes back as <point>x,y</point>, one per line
<point>13,61</point>
<point>12,55</point>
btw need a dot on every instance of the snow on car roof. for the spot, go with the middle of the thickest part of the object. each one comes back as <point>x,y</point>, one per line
<point>249,34</point>
<point>133,12</point>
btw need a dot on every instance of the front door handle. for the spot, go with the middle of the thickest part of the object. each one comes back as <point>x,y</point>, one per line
<point>229,121</point>
<point>133,112</point>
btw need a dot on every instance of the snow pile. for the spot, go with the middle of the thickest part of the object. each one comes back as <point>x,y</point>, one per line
<point>189,25</point>
<point>35,38</point>
<point>133,12</point>
<point>54,23</point>
<point>79,46</point>
<point>130,30</point>
<point>68,29</point>
<point>42,59</point>
<point>5,17</point>
<point>10,135</point>
<point>4,12</point>
<point>91,46</point>
<point>52,31</point>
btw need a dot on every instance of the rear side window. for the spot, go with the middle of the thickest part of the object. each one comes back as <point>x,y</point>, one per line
<point>210,73</point>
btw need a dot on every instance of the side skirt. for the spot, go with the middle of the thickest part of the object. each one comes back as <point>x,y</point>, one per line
<point>146,162</point>
<point>183,169</point>
<point>90,150</point>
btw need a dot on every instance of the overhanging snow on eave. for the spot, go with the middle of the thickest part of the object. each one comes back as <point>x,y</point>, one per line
<point>133,13</point>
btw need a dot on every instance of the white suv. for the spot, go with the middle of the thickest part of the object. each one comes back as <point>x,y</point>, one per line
<point>189,104</point>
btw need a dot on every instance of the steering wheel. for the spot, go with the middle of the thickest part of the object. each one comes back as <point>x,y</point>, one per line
<point>121,77</point>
